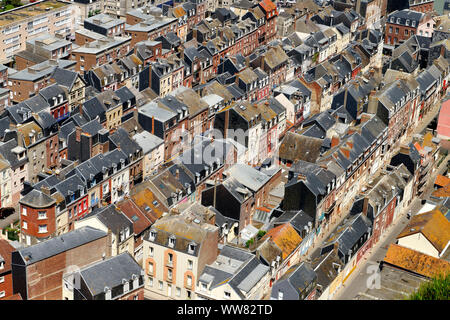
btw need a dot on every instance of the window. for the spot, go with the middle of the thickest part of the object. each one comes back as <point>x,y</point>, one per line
<point>189,294</point>
<point>178,292</point>
<point>107,293</point>
<point>203,286</point>
<point>390,29</point>
<point>43,228</point>
<point>169,274</point>
<point>169,258</point>
<point>150,281</point>
<point>227,295</point>
<point>42,215</point>
<point>189,281</point>
<point>2,294</point>
<point>190,264</point>
<point>151,250</point>
<point>280,295</point>
<point>160,284</point>
<point>406,32</point>
<point>2,279</point>
<point>24,211</point>
<point>25,225</point>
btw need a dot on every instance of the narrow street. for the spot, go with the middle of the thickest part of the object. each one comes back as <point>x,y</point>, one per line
<point>357,283</point>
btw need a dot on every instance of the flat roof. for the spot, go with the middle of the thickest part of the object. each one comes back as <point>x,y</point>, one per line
<point>29,11</point>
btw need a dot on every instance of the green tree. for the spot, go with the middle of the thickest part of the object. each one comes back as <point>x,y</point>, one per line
<point>438,288</point>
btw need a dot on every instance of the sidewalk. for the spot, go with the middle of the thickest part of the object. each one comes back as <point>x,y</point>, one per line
<point>378,251</point>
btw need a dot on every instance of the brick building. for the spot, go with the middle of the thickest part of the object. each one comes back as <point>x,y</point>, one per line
<point>38,270</point>
<point>6,285</point>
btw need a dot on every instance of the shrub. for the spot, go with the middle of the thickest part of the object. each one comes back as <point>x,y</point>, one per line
<point>437,288</point>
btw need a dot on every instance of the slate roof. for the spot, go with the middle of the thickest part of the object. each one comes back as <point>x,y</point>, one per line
<point>60,244</point>
<point>110,273</point>
<point>297,278</point>
<point>112,218</point>
<point>37,199</point>
<point>120,138</point>
<point>65,78</point>
<point>296,147</point>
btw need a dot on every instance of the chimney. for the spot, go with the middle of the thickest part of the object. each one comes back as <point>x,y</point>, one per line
<point>78,134</point>
<point>46,190</point>
<point>365,117</point>
<point>153,125</point>
<point>373,103</point>
<point>177,174</point>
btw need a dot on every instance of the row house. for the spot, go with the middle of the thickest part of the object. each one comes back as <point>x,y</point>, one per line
<point>37,133</point>
<point>38,270</point>
<point>312,189</point>
<point>255,126</point>
<point>148,51</point>
<point>354,158</point>
<point>74,83</point>
<point>112,221</point>
<point>176,251</point>
<point>381,202</point>
<point>99,52</point>
<point>421,5</point>
<point>271,12</point>
<point>206,161</point>
<point>43,48</point>
<point>274,62</point>
<point>243,190</point>
<point>397,106</point>
<point>16,157</point>
<point>430,84</point>
<point>200,64</point>
<point>124,281</point>
<point>151,28</point>
<point>279,249</point>
<point>296,98</point>
<point>181,14</point>
<point>110,106</point>
<point>5,186</point>
<point>84,36</point>
<point>6,286</point>
<point>57,97</point>
<point>370,43</point>
<point>200,116</point>
<point>121,140</point>
<point>164,123</point>
<point>84,141</point>
<point>27,82</point>
<point>418,161</point>
<point>132,66</point>
<point>105,25</point>
<point>166,75</point>
<point>153,152</point>
<point>401,25</point>
<point>233,265</point>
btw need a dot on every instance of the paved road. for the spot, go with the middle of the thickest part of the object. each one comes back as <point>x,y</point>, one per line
<point>357,282</point>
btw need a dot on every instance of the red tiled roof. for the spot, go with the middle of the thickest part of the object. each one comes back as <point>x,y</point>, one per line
<point>415,261</point>
<point>285,237</point>
<point>134,213</point>
<point>268,5</point>
<point>442,181</point>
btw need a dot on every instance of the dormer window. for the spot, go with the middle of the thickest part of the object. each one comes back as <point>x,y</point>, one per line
<point>152,235</point>
<point>172,241</point>
<point>107,293</point>
<point>126,286</point>
<point>191,248</point>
